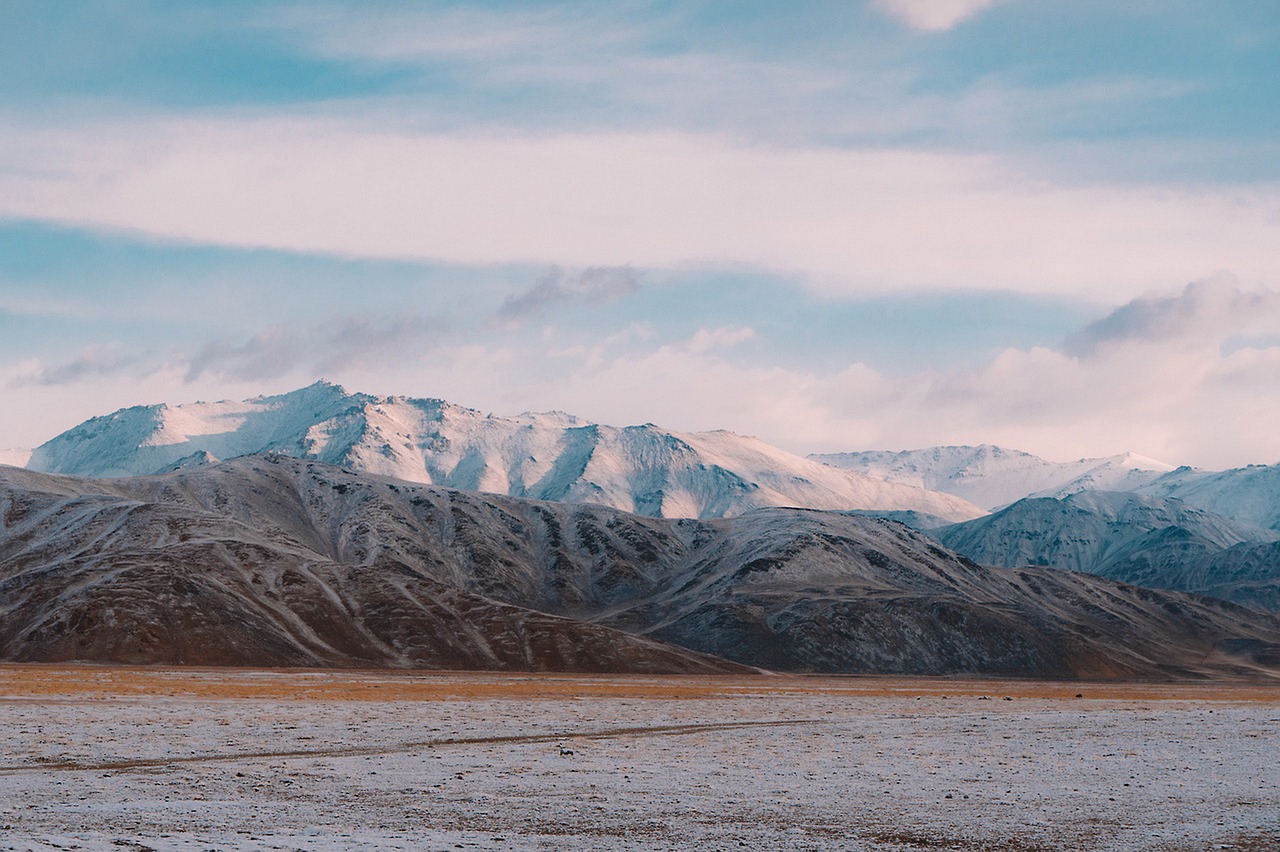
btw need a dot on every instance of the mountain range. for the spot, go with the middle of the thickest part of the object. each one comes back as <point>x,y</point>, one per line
<point>273,560</point>
<point>994,477</point>
<point>1147,541</point>
<point>544,540</point>
<point>549,456</point>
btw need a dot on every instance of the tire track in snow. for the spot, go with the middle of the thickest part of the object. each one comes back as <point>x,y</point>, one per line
<point>363,751</point>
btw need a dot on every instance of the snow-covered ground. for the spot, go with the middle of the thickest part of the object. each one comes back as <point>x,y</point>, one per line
<point>103,758</point>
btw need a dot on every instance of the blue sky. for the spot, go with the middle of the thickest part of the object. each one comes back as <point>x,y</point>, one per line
<point>835,225</point>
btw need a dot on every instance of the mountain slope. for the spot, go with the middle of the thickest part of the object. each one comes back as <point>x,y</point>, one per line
<point>276,560</point>
<point>1142,540</point>
<point>993,477</point>
<point>1250,495</point>
<point>142,574</point>
<point>641,469</point>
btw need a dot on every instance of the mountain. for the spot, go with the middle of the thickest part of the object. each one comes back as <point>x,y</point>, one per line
<point>137,571</point>
<point>1250,495</point>
<point>993,477</point>
<point>273,560</point>
<point>1246,573</point>
<point>1129,537</point>
<point>554,456</point>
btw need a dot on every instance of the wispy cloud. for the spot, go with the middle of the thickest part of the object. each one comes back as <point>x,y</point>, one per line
<point>93,362</point>
<point>933,15</point>
<point>594,284</point>
<point>322,349</point>
<point>279,350</point>
<point>1211,309</point>
<point>1156,378</point>
<point>857,219</point>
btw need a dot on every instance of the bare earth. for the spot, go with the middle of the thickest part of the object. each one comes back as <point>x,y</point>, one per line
<point>119,758</point>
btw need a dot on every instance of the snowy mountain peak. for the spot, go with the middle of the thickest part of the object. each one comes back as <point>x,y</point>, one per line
<point>554,456</point>
<point>1135,461</point>
<point>993,476</point>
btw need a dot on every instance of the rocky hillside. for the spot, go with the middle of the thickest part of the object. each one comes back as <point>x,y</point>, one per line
<point>276,560</point>
<point>1250,495</point>
<point>1147,541</point>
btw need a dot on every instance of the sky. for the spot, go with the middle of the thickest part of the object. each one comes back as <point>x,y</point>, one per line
<point>834,225</point>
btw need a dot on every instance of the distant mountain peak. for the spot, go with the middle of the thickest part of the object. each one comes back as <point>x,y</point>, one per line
<point>993,476</point>
<point>550,456</point>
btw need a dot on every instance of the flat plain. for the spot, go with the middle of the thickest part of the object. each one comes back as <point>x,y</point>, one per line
<point>97,757</point>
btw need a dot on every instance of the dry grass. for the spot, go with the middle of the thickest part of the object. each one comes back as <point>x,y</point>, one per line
<point>97,682</point>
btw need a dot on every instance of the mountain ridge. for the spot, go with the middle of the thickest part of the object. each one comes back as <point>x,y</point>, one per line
<point>993,477</point>
<point>274,560</point>
<point>556,456</point>
<point>1148,541</point>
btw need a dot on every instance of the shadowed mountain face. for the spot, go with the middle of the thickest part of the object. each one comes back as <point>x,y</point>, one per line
<point>995,477</point>
<point>552,456</point>
<point>1143,540</point>
<point>275,560</point>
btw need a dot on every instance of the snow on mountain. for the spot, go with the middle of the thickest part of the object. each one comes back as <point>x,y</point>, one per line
<point>15,457</point>
<point>992,476</point>
<point>1147,541</point>
<point>1245,573</point>
<point>552,456</point>
<point>272,560</point>
<point>1250,495</point>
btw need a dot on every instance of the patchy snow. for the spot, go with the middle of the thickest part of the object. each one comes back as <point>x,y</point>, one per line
<point>168,760</point>
<point>1250,495</point>
<point>1145,541</point>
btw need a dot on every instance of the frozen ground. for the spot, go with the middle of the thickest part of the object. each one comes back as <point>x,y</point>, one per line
<point>106,758</point>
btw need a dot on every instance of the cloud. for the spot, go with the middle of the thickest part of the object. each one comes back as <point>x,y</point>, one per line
<point>852,220</point>
<point>277,351</point>
<point>932,15</point>
<point>322,349</point>
<point>707,339</point>
<point>92,363</point>
<point>594,284</point>
<point>1156,377</point>
<point>1210,309</point>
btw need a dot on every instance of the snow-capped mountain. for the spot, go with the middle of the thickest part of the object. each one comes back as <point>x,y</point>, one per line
<point>272,560</point>
<point>1147,541</point>
<point>993,477</point>
<point>550,456</point>
<point>1250,495</point>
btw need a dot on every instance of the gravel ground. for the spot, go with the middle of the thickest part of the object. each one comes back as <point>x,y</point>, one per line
<point>96,758</point>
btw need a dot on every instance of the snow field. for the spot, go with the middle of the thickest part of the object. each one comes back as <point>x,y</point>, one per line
<point>477,762</point>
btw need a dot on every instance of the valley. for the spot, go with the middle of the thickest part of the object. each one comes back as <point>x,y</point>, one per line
<point>179,759</point>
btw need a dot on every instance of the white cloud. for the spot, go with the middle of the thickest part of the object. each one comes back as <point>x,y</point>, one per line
<point>1205,310</point>
<point>557,287</point>
<point>933,15</point>
<point>706,339</point>
<point>1183,399</point>
<point>857,219</point>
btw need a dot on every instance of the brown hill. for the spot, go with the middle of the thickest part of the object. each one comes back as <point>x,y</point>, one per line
<point>274,560</point>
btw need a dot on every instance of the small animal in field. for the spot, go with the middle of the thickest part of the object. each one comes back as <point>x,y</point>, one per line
<point>566,752</point>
